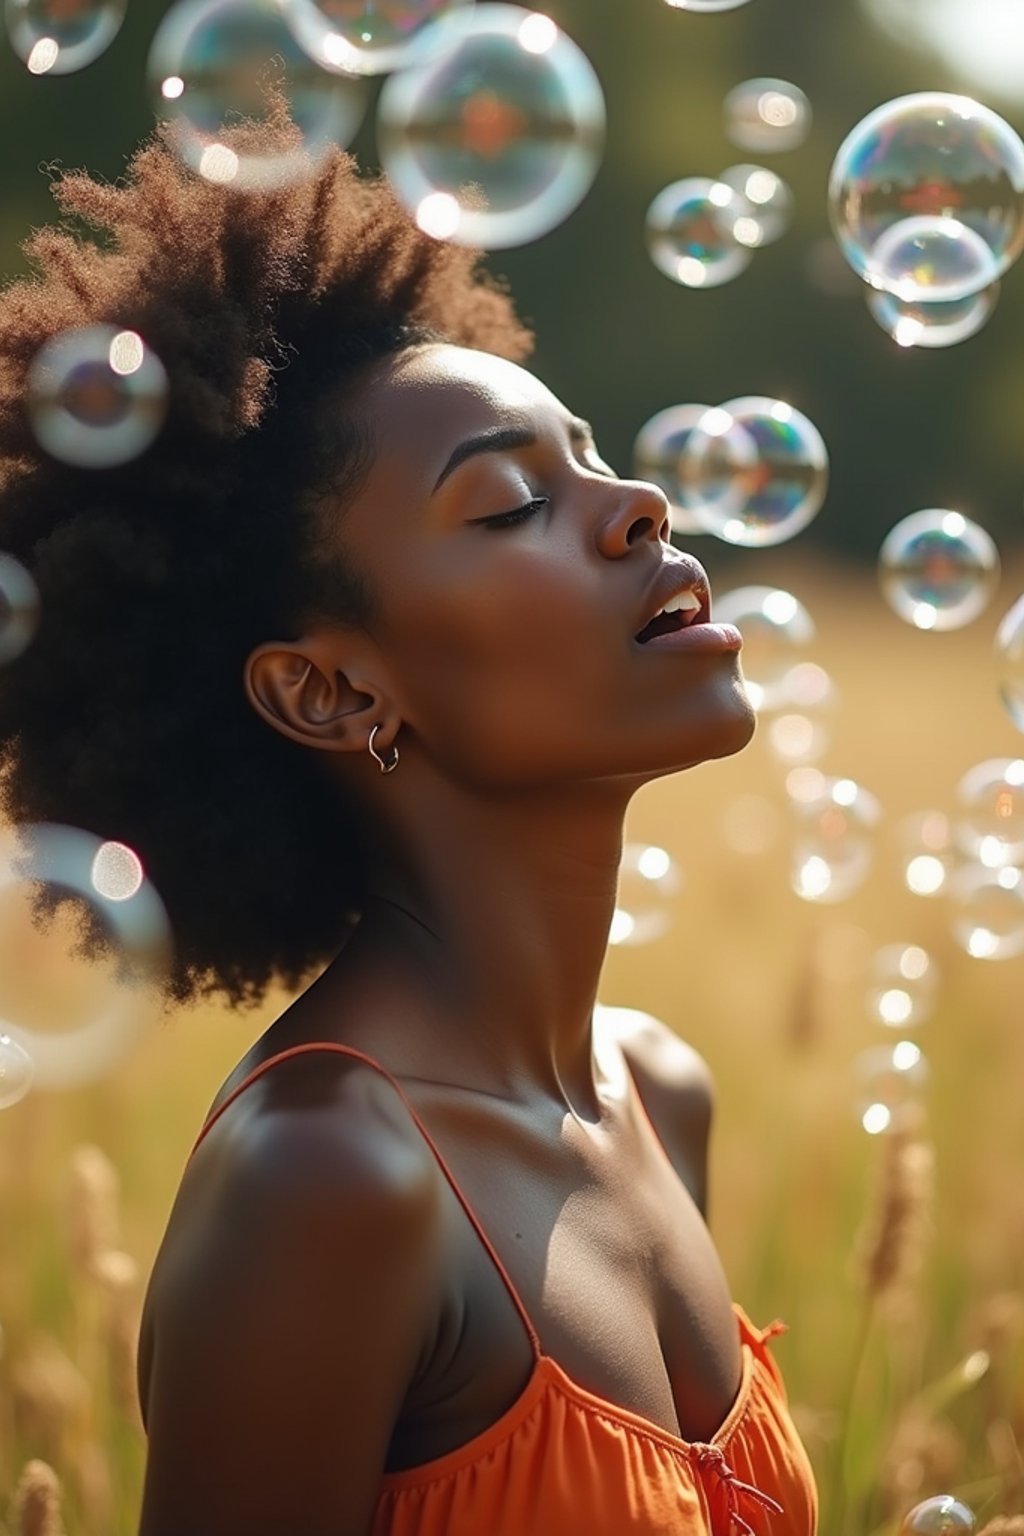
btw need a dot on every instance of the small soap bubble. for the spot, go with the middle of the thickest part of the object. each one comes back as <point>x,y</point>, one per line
<point>941,165</point>
<point>16,1071</point>
<point>19,608</point>
<point>942,1515</point>
<point>767,115</point>
<point>775,627</point>
<point>990,823</point>
<point>363,37</point>
<point>833,845</point>
<point>938,569</point>
<point>656,454</point>
<point>96,397</point>
<point>648,880</point>
<point>211,62</point>
<point>754,471</point>
<point>927,854</point>
<point>932,325</point>
<point>890,1081</point>
<point>902,987</point>
<point>505,107</point>
<point>58,37</point>
<point>706,5</point>
<point>1010,661</point>
<point>987,911</point>
<point>795,738</point>
<point>769,204</point>
<point>690,232</point>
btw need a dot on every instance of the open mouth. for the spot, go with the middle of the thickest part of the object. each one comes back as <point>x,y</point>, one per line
<point>678,613</point>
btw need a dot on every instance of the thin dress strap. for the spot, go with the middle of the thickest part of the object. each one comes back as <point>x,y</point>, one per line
<point>349,1050</point>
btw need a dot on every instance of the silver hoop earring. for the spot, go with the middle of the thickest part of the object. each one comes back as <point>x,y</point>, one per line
<point>392,761</point>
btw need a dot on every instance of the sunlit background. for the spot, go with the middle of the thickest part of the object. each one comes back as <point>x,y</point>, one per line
<point>805,323</point>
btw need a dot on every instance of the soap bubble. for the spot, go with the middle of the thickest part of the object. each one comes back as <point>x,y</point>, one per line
<point>987,911</point>
<point>927,854</point>
<point>754,471</point>
<point>505,104</point>
<point>832,848</point>
<point>767,115</point>
<point>706,5</point>
<point>362,37</point>
<point>903,983</point>
<point>890,1081</point>
<point>775,626</point>
<point>1010,657</point>
<point>656,454</point>
<point>19,608</point>
<point>797,733</point>
<point>16,1071</point>
<point>689,232</point>
<point>795,738</point>
<point>96,397</point>
<point>211,60</point>
<point>768,201</point>
<point>942,1515</point>
<point>108,878</point>
<point>937,569</point>
<point>990,825</point>
<point>942,166</point>
<point>648,879</point>
<point>932,325</point>
<point>57,37</point>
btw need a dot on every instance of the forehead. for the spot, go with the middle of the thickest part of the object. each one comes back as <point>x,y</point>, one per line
<point>435,394</point>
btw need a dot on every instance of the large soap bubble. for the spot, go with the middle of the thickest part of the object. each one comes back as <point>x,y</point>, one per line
<point>96,397</point>
<point>938,569</point>
<point>55,37</point>
<point>926,196</point>
<point>211,61</point>
<point>691,232</point>
<point>766,115</point>
<point>776,630</point>
<point>942,1515</point>
<point>916,324</point>
<point>754,471</point>
<point>363,37</point>
<point>506,106</point>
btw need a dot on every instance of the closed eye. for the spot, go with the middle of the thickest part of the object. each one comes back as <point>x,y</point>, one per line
<point>517,515</point>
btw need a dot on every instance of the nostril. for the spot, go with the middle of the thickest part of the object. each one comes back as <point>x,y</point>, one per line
<point>640,528</point>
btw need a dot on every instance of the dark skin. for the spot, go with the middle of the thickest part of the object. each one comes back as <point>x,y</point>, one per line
<point>504,669</point>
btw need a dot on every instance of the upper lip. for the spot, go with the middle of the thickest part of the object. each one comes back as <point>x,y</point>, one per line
<point>680,574</point>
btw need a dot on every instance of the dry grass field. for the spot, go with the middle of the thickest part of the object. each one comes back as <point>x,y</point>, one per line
<point>898,1261</point>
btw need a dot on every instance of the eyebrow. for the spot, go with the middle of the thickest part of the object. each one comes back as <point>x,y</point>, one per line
<point>503,439</point>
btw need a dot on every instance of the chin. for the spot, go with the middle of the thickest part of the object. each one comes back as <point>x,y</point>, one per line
<point>725,731</point>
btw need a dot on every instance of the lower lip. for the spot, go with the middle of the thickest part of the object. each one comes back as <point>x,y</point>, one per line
<point>706,638</point>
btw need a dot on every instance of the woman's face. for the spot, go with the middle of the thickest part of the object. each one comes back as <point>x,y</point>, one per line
<point>508,647</point>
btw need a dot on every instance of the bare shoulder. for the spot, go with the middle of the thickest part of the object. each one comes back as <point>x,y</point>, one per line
<point>676,1065</point>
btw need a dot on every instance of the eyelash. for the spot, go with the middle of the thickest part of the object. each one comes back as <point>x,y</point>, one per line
<point>518,515</point>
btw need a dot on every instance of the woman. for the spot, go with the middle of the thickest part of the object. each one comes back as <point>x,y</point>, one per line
<point>362,658</point>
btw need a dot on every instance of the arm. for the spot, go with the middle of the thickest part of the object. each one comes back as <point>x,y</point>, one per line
<point>294,1308</point>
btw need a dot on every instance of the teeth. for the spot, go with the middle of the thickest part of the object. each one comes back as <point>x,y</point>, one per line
<point>683,602</point>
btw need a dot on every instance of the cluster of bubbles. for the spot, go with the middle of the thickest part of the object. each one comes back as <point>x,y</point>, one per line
<point>926,198</point>
<point>702,231</point>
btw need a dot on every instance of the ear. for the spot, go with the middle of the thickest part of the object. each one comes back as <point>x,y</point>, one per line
<point>298,688</point>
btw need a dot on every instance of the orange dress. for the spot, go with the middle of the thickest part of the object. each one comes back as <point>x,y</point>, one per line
<point>565,1462</point>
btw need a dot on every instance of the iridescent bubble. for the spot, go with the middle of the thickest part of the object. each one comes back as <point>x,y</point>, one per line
<point>754,471</point>
<point>104,876</point>
<point>211,61</point>
<point>833,844</point>
<point>767,115</point>
<point>932,260</point>
<point>648,880</point>
<point>365,37</point>
<point>987,911</point>
<point>775,627</point>
<point>1010,659</point>
<point>930,157</point>
<point>19,608</point>
<point>495,138</point>
<point>689,232</point>
<point>769,204</point>
<point>902,987</point>
<point>942,1515</point>
<point>656,453</point>
<point>937,569</point>
<point>932,325</point>
<point>890,1081</point>
<point>927,854</point>
<point>57,37</point>
<point>96,397</point>
<point>706,5</point>
<point>990,824</point>
<point>16,1071</point>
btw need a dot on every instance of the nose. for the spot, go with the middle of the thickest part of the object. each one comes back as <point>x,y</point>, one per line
<point>638,510</point>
